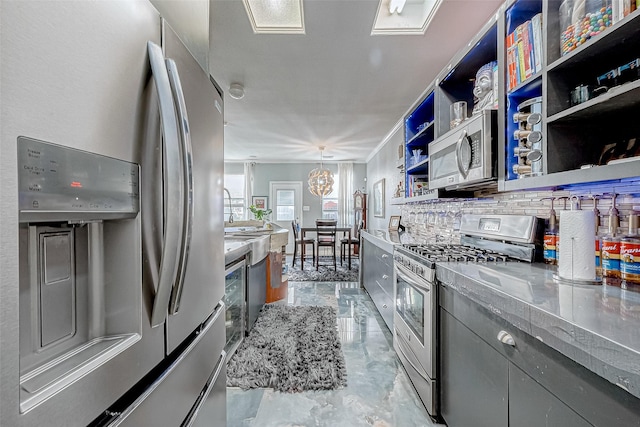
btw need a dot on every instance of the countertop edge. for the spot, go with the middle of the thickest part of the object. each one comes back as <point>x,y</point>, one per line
<point>605,357</point>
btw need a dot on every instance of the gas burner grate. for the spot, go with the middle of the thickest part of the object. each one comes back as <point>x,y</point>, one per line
<point>456,253</point>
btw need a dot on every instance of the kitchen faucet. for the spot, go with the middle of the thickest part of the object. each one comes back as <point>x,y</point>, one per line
<point>230,211</point>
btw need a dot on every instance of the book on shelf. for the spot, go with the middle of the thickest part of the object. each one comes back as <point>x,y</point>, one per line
<point>520,52</point>
<point>495,86</point>
<point>524,51</point>
<point>621,8</point>
<point>512,79</point>
<point>536,26</point>
<point>416,183</point>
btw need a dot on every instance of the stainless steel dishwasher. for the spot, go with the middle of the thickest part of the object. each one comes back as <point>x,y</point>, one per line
<point>256,293</point>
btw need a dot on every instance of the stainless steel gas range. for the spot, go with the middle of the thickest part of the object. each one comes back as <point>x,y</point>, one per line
<point>486,239</point>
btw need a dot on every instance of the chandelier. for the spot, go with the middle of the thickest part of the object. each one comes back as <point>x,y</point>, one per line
<point>320,179</point>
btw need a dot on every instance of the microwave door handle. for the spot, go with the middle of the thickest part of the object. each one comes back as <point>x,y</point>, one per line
<point>462,168</point>
<point>187,169</point>
<point>172,183</point>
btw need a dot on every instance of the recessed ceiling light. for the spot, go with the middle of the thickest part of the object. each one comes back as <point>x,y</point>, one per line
<point>275,16</point>
<point>397,17</point>
<point>236,91</point>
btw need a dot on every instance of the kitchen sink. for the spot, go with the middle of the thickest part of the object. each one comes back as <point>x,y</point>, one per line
<point>258,246</point>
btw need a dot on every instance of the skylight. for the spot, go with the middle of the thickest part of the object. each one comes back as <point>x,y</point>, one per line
<point>408,17</point>
<point>275,16</point>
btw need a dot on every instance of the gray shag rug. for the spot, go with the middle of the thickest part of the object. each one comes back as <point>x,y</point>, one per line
<point>325,272</point>
<point>290,349</point>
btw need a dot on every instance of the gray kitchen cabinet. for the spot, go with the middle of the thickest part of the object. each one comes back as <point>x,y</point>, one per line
<point>474,378</point>
<point>543,387</point>
<point>531,405</point>
<point>377,274</point>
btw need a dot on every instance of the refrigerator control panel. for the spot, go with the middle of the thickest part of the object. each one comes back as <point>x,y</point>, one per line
<point>58,183</point>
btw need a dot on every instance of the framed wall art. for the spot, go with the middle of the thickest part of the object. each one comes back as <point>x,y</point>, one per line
<point>394,222</point>
<point>259,202</point>
<point>378,199</point>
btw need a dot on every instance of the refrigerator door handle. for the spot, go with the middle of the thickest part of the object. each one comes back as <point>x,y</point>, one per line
<point>173,187</point>
<point>187,169</point>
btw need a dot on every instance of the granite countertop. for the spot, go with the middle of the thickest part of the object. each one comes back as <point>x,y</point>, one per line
<point>278,236</point>
<point>597,326</point>
<point>389,237</point>
<point>235,250</point>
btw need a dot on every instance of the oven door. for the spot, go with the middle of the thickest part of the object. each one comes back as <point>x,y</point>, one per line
<point>414,320</point>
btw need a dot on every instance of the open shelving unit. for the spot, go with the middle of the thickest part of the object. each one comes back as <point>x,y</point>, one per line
<point>419,133</point>
<point>429,118</point>
<point>580,138</point>
<point>577,139</point>
<point>521,19</point>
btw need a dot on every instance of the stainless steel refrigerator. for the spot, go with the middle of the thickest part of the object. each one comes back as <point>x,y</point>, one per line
<point>111,221</point>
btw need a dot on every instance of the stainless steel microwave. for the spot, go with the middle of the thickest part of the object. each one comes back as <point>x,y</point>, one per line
<point>466,155</point>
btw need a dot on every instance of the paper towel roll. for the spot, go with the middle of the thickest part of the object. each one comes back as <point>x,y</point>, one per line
<point>577,239</point>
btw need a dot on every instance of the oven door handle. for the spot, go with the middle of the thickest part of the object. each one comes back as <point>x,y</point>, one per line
<point>404,276</point>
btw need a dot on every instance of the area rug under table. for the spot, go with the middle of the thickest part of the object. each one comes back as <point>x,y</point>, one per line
<point>325,272</point>
<point>290,349</point>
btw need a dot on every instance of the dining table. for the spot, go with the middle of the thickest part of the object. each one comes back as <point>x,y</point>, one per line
<point>344,230</point>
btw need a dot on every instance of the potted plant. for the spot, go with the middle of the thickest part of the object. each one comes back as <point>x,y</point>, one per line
<point>259,214</point>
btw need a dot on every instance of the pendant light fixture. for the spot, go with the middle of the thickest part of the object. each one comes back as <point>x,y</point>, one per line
<point>320,179</point>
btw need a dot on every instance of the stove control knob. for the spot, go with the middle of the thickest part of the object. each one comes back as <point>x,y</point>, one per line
<point>419,270</point>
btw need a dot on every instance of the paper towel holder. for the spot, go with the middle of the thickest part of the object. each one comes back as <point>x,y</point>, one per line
<point>575,204</point>
<point>564,281</point>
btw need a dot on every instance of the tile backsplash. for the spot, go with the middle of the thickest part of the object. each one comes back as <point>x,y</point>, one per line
<point>438,220</point>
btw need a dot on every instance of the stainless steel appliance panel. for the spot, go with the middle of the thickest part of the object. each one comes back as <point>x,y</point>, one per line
<point>415,324</point>
<point>465,156</point>
<point>256,291</point>
<point>425,387</point>
<point>76,184</point>
<point>172,398</point>
<point>81,83</point>
<point>212,409</point>
<point>414,317</point>
<point>236,305</point>
<point>204,278</point>
<point>57,287</point>
<point>518,228</point>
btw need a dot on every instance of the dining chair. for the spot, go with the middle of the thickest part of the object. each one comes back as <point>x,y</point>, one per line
<point>355,242</point>
<point>303,245</point>
<point>326,237</point>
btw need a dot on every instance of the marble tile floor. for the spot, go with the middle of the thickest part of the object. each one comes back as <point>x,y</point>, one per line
<point>378,391</point>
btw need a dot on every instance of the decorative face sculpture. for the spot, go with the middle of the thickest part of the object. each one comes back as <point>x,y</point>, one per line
<point>483,87</point>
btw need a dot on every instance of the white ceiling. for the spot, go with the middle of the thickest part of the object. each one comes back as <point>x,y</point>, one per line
<point>335,86</point>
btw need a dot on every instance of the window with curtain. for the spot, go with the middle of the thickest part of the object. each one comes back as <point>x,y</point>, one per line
<point>236,187</point>
<point>330,201</point>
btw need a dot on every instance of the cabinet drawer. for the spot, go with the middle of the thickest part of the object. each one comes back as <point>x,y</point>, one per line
<point>383,256</point>
<point>384,304</point>
<point>379,254</point>
<point>385,281</point>
<point>477,319</point>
